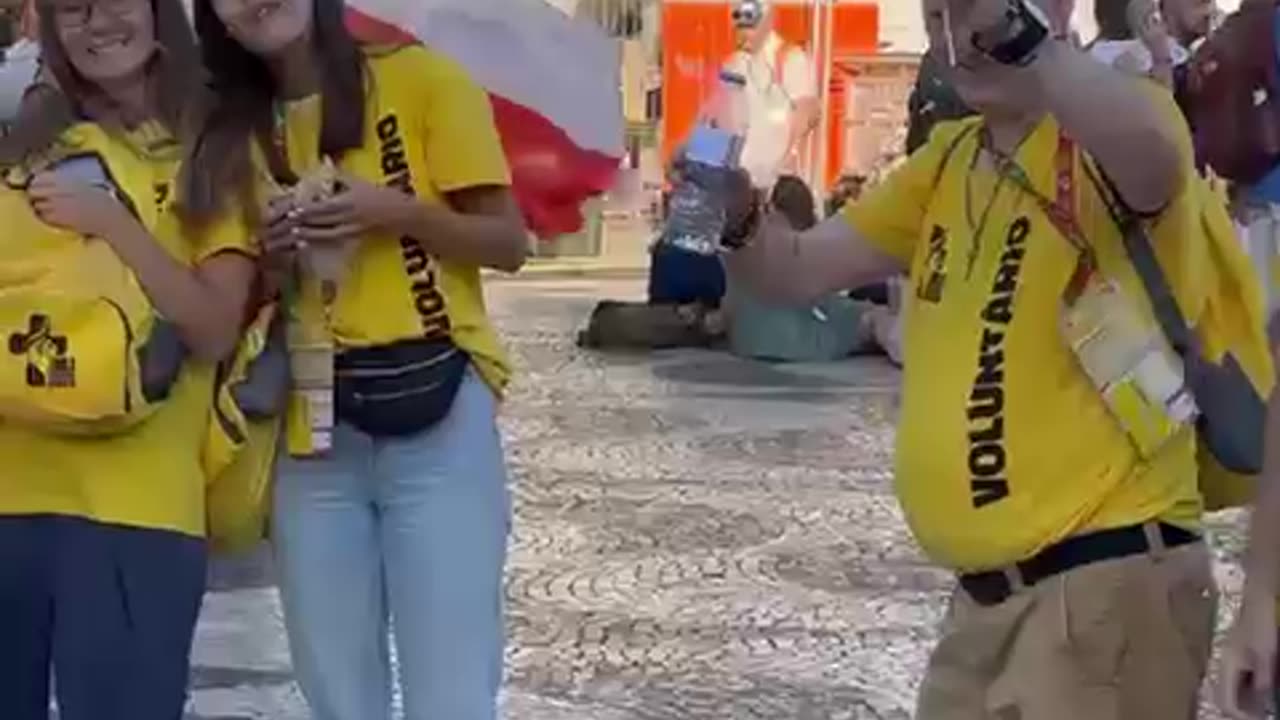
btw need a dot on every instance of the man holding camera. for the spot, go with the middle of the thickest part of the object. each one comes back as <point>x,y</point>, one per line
<point>1085,589</point>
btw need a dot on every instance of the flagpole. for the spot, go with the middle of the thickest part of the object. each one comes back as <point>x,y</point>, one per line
<point>815,45</point>
<point>827,56</point>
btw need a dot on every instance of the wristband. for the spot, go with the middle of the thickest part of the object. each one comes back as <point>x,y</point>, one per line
<point>1016,39</point>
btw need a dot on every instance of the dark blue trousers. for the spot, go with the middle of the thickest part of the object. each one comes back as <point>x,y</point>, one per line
<point>110,611</point>
<point>681,277</point>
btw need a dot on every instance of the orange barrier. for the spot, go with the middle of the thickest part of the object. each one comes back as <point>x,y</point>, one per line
<point>697,37</point>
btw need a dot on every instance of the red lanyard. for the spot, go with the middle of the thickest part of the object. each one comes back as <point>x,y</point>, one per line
<point>1063,214</point>
<point>1062,211</point>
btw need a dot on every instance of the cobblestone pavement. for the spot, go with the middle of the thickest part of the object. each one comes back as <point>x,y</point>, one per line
<point>696,537</point>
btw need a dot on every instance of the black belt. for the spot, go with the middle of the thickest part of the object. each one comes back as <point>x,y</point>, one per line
<point>994,587</point>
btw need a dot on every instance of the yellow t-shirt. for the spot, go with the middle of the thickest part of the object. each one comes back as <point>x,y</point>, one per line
<point>151,476</point>
<point>428,129</point>
<point>1004,446</point>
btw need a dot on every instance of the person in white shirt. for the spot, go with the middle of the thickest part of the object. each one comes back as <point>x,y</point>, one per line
<point>1147,37</point>
<point>782,96</point>
<point>19,59</point>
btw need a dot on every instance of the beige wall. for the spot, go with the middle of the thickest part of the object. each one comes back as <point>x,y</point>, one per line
<point>902,25</point>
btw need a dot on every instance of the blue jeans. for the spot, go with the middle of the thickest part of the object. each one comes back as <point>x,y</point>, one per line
<point>411,531</point>
<point>110,609</point>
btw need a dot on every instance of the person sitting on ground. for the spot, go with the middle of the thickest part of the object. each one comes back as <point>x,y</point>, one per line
<point>20,63</point>
<point>683,277</point>
<point>833,327</point>
<point>685,290</point>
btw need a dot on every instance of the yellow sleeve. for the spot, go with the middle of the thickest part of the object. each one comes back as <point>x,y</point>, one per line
<point>231,231</point>
<point>891,214</point>
<point>459,135</point>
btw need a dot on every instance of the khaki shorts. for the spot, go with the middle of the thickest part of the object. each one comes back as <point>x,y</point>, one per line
<point>1124,639</point>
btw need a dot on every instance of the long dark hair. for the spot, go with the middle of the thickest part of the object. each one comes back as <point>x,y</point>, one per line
<point>244,97</point>
<point>175,78</point>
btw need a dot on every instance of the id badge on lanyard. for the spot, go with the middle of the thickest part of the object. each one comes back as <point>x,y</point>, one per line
<point>1125,355</point>
<point>1129,362</point>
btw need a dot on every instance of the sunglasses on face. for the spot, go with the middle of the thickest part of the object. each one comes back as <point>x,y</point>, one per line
<point>746,15</point>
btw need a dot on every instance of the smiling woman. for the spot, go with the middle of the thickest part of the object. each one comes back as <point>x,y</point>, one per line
<point>405,514</point>
<point>102,553</point>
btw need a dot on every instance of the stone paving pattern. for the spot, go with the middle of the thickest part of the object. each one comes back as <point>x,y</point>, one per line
<point>696,537</point>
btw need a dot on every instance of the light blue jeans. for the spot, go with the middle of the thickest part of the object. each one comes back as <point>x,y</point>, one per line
<point>411,531</point>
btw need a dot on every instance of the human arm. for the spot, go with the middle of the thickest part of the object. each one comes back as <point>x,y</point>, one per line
<point>1248,669</point>
<point>1248,673</point>
<point>1131,128</point>
<point>481,226</point>
<point>806,108</point>
<point>471,217</point>
<point>870,239</point>
<point>1150,29</point>
<point>206,301</point>
<point>478,226</point>
<point>799,268</point>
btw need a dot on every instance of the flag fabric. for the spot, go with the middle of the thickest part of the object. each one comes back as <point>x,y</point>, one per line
<point>553,81</point>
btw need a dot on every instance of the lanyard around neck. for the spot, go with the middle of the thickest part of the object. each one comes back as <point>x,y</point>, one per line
<point>1061,211</point>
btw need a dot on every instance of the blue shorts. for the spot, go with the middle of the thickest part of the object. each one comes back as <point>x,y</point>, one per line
<point>110,610</point>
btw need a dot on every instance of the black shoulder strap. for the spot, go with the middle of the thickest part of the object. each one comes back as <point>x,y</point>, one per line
<point>1138,246</point>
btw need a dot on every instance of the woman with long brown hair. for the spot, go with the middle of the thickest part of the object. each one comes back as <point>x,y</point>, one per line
<point>102,556</point>
<point>396,514</point>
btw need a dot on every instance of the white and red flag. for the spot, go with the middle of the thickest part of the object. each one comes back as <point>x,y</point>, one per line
<point>553,80</point>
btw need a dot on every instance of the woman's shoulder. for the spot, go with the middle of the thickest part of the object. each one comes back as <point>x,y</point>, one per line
<point>79,138</point>
<point>415,61</point>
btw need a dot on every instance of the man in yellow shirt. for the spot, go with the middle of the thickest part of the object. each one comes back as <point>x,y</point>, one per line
<point>1085,590</point>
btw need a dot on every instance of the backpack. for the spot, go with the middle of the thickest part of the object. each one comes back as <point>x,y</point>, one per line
<point>1234,323</point>
<point>85,352</point>
<point>1232,95</point>
<point>1227,355</point>
<point>244,435</point>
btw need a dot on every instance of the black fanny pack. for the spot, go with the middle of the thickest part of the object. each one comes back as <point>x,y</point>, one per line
<point>399,389</point>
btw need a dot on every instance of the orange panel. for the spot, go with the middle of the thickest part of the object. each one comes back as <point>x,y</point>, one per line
<point>697,37</point>
<point>840,82</point>
<point>794,23</point>
<point>857,28</point>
